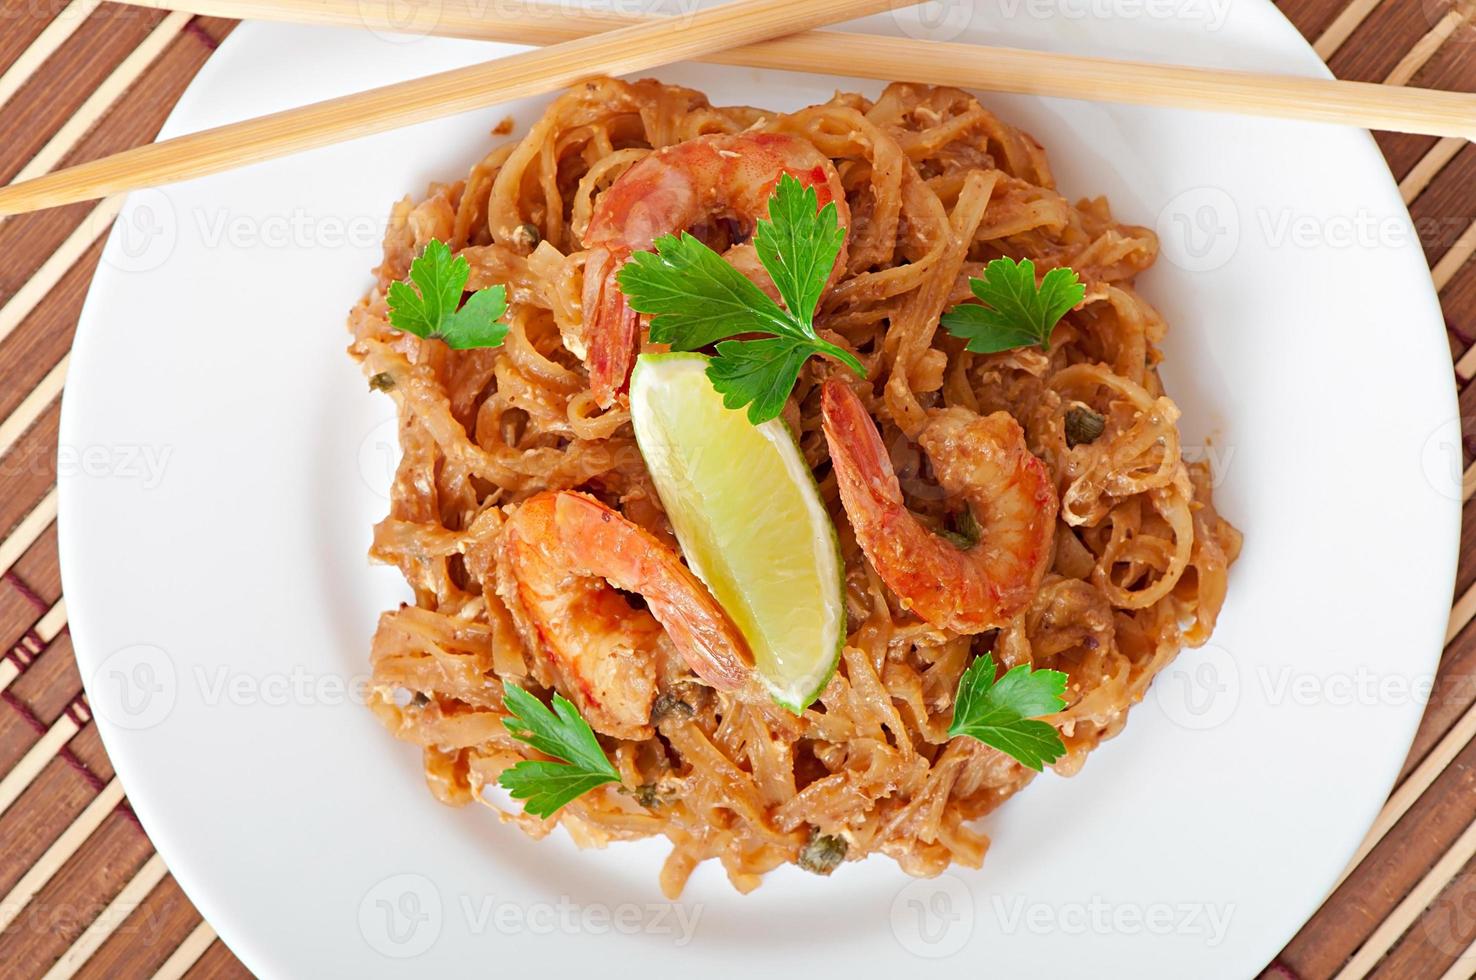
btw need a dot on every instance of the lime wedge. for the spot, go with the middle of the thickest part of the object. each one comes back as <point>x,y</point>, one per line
<point>749,517</point>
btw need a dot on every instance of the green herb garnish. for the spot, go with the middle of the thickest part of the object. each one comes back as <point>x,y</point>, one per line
<point>696,299</point>
<point>430,310</point>
<point>544,787</point>
<point>649,795</point>
<point>963,530</point>
<point>1004,713</point>
<point>1012,310</point>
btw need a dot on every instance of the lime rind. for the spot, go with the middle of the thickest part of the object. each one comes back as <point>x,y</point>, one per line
<point>712,468</point>
<point>782,431</point>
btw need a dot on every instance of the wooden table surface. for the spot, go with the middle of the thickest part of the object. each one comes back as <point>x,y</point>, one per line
<point>84,892</point>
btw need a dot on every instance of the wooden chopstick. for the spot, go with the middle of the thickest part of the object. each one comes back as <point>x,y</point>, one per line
<point>1362,104</point>
<point>632,48</point>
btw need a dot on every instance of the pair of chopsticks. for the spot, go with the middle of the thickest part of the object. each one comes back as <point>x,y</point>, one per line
<point>775,34</point>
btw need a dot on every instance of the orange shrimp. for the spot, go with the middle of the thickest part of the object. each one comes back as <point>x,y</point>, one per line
<point>678,188</point>
<point>982,459</point>
<point>567,553</point>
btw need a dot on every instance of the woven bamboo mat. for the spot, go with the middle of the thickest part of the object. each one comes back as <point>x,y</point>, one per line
<point>85,895</point>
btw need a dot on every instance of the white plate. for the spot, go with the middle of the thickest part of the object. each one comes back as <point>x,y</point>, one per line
<point>223,463</point>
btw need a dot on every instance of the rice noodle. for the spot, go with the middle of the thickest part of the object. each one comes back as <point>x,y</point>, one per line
<point>937,186</point>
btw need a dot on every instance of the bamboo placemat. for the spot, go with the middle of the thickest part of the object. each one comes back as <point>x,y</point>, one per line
<point>85,895</point>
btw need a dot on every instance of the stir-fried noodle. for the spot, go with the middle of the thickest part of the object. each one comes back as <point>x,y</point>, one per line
<point>936,186</point>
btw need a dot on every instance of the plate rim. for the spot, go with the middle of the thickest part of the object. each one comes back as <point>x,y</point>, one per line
<point>235,934</point>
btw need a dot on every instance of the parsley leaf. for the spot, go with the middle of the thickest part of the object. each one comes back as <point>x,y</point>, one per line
<point>544,787</point>
<point>1015,312</point>
<point>758,373</point>
<point>429,310</point>
<point>696,299</point>
<point>1003,713</point>
<point>798,244</point>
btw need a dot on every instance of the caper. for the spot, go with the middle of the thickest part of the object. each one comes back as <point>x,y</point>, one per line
<point>822,853</point>
<point>1083,425</point>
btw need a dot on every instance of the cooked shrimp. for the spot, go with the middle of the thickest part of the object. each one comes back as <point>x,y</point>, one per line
<point>677,188</point>
<point>567,554</point>
<point>982,459</point>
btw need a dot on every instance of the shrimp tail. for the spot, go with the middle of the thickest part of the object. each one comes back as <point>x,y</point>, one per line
<point>613,330</point>
<point>863,467</point>
<point>868,485</point>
